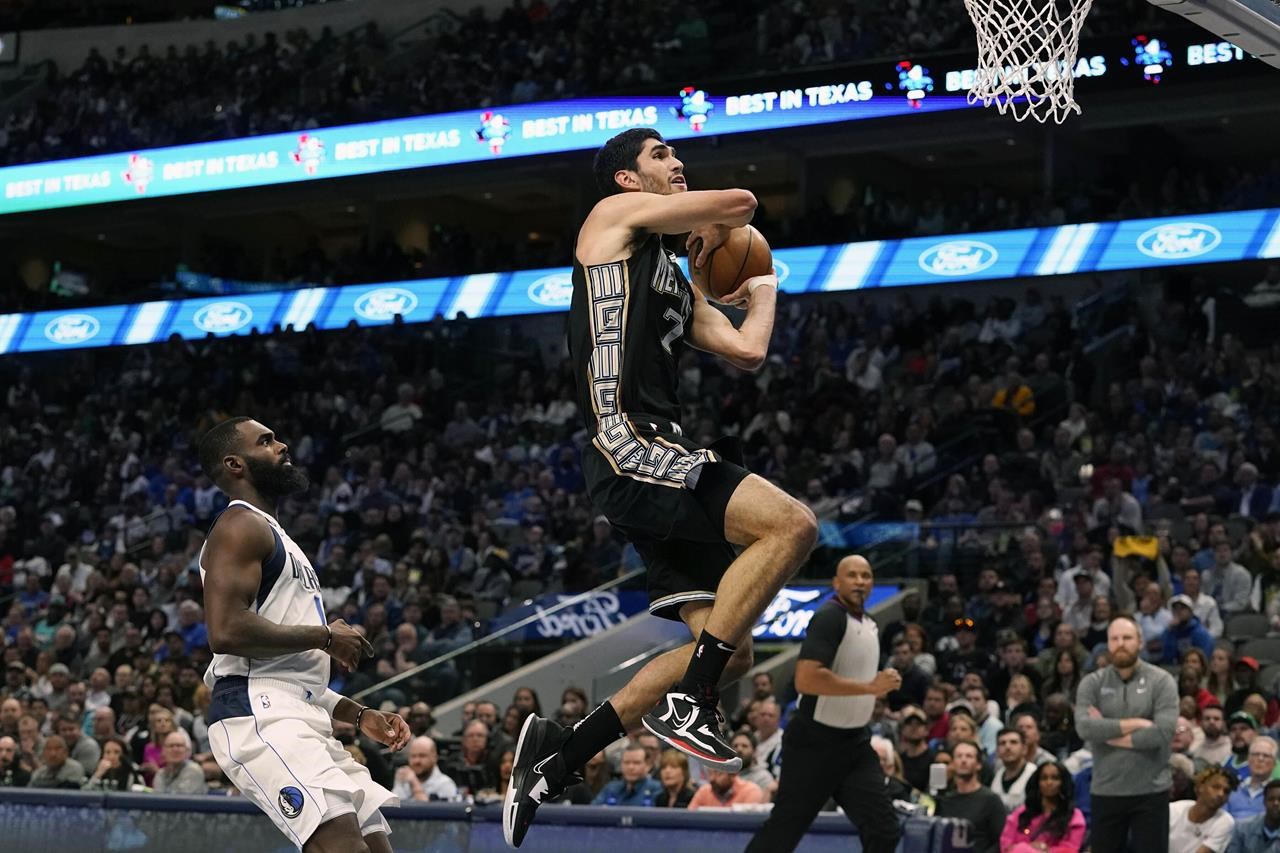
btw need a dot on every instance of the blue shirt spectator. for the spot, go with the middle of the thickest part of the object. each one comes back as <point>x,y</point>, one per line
<point>1247,799</point>
<point>1184,632</point>
<point>635,788</point>
<point>1260,833</point>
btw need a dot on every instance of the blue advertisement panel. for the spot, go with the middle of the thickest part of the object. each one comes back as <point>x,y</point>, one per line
<point>869,91</point>
<point>1025,253</point>
<point>219,316</point>
<point>537,292</point>
<point>92,327</point>
<point>972,257</point>
<point>788,616</point>
<point>378,304</point>
<point>1181,240</point>
<point>437,140</point>
<point>593,614</point>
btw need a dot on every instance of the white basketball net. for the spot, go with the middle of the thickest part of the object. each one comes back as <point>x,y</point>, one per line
<point>1027,55</point>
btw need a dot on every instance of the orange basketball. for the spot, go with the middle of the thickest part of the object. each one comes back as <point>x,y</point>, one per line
<point>744,255</point>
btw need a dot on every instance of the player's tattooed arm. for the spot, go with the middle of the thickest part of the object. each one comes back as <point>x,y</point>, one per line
<point>233,557</point>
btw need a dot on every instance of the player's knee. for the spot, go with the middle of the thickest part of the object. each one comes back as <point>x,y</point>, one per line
<point>800,525</point>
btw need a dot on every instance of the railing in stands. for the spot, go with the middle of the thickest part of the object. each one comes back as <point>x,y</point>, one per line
<point>498,641</point>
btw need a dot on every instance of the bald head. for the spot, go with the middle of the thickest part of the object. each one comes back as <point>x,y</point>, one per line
<point>422,756</point>
<point>853,582</point>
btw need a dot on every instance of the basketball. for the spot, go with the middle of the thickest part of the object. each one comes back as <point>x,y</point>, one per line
<point>744,255</point>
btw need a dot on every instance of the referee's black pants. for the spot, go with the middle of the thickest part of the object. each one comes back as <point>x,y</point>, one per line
<point>819,762</point>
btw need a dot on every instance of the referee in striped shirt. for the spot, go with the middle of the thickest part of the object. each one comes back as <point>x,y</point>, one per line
<point>826,748</point>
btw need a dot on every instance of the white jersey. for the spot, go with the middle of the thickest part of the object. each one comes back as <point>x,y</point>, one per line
<point>289,594</point>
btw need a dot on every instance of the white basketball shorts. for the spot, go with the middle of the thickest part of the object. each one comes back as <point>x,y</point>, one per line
<point>278,749</point>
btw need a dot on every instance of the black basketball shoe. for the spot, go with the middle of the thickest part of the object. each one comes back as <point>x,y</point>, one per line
<point>538,774</point>
<point>695,728</point>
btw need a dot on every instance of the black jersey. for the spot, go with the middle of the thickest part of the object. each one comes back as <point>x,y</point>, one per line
<point>626,335</point>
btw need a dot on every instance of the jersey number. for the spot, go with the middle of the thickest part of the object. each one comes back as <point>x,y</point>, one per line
<point>676,331</point>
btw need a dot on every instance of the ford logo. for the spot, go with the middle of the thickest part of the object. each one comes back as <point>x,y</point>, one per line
<point>222,318</point>
<point>958,257</point>
<point>789,614</point>
<point>385,303</point>
<point>72,328</point>
<point>1178,240</point>
<point>553,291</point>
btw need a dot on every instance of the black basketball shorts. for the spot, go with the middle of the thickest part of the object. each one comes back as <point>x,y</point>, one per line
<point>668,496</point>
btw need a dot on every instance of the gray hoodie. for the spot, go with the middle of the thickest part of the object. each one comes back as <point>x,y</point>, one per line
<point>1150,693</point>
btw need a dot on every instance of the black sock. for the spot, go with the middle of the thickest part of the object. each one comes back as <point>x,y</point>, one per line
<point>710,657</point>
<point>596,731</point>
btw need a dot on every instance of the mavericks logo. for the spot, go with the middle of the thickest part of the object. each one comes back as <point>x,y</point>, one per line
<point>1179,240</point>
<point>72,328</point>
<point>385,303</point>
<point>958,257</point>
<point>290,802</point>
<point>553,291</point>
<point>222,318</point>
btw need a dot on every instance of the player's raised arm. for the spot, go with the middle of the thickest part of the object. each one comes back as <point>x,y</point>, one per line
<point>680,212</point>
<point>233,557</point>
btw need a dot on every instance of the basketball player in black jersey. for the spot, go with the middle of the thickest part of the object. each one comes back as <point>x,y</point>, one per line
<point>683,506</point>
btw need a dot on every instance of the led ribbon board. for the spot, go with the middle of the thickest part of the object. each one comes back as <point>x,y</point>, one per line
<point>866,91</point>
<point>1024,253</point>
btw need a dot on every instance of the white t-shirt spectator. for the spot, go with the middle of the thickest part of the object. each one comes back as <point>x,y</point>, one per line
<point>1188,837</point>
<point>399,417</point>
<point>437,786</point>
<point>1015,793</point>
<point>1067,593</point>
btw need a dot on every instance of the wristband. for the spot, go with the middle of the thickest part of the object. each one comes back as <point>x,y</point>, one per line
<point>328,700</point>
<point>360,714</point>
<point>328,642</point>
<point>755,284</point>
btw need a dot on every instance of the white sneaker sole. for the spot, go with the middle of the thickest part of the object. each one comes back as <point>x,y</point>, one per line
<point>509,801</point>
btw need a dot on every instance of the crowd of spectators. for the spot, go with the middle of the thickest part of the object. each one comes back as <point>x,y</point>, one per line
<point>530,51</point>
<point>445,468</point>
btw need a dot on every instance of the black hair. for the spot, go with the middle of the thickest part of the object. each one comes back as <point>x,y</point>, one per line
<point>1056,825</point>
<point>1021,712</point>
<point>619,154</point>
<point>216,443</point>
<point>1270,786</point>
<point>1010,730</point>
<point>537,703</point>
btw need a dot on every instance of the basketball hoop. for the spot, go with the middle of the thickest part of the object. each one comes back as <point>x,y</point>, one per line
<point>1027,56</point>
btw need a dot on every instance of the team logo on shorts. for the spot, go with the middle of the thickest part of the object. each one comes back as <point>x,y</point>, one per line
<point>290,802</point>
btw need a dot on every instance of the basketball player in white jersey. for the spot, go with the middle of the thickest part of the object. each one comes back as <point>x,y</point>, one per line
<point>270,724</point>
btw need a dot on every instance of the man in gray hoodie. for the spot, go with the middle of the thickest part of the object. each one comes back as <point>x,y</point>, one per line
<point>1126,713</point>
